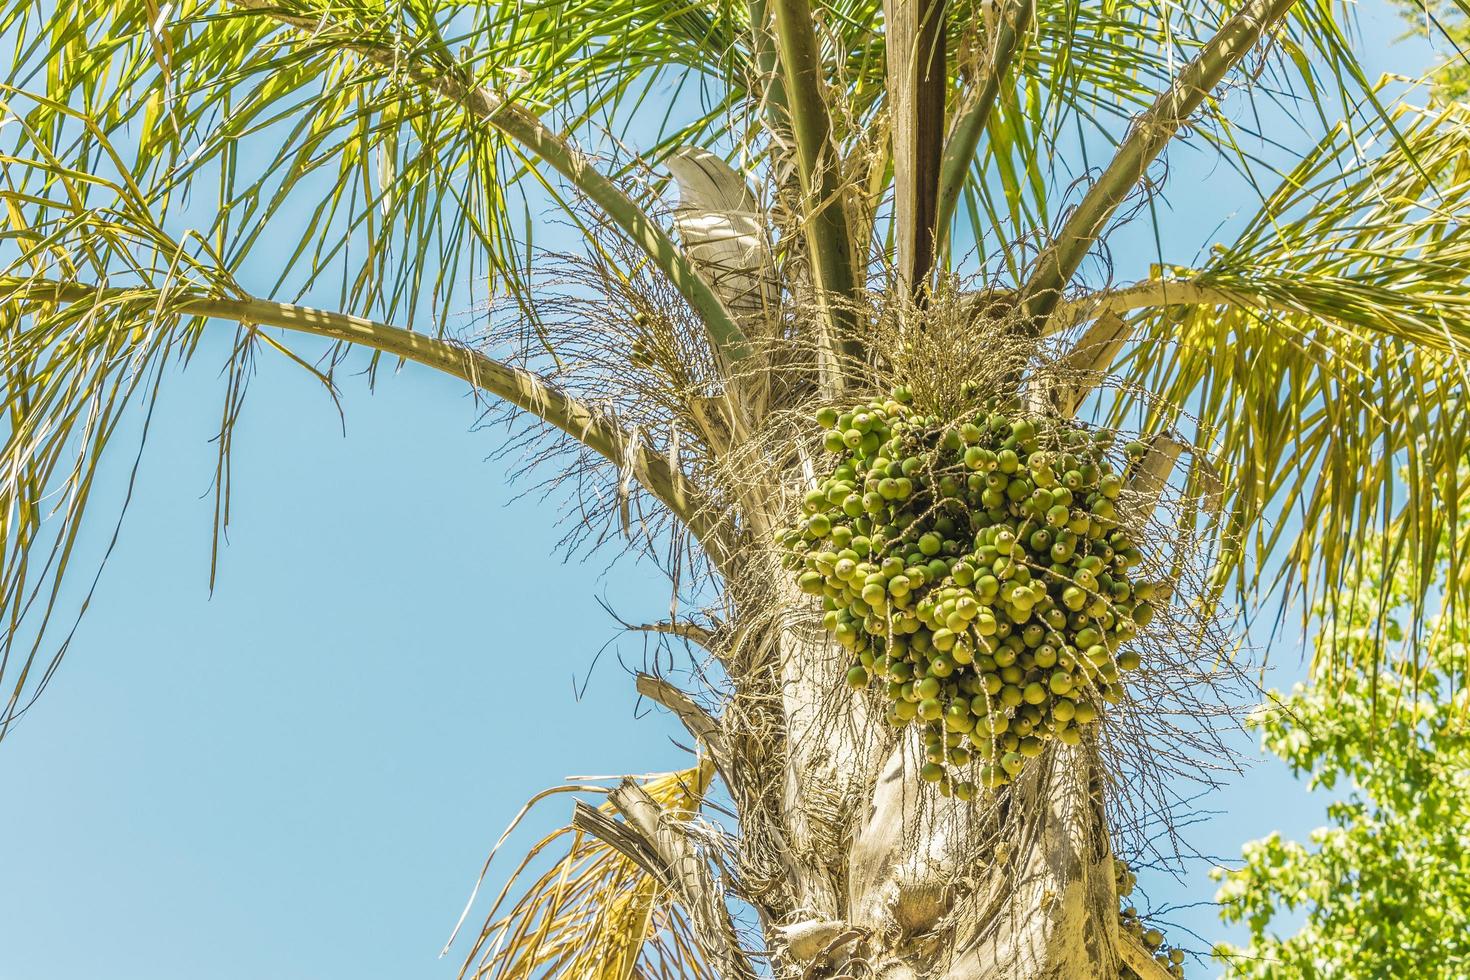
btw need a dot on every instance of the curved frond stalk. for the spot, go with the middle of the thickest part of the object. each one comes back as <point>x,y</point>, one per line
<point>824,216</point>
<point>1437,321</point>
<point>594,914</point>
<point>1180,290</point>
<point>451,82</point>
<point>519,387</point>
<point>1149,135</point>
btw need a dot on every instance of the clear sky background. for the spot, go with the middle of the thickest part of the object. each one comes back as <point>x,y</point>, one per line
<point>299,775</point>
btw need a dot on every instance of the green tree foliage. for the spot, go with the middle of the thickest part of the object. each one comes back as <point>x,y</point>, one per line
<point>1385,885</point>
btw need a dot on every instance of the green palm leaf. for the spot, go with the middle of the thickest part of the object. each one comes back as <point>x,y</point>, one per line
<point>1323,355</point>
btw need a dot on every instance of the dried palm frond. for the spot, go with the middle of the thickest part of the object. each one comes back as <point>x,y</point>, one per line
<point>593,914</point>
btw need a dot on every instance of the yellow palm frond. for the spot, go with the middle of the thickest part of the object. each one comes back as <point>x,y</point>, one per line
<point>593,914</point>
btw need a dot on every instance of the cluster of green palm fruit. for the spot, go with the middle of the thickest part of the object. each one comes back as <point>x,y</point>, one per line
<point>1171,958</point>
<point>977,570</point>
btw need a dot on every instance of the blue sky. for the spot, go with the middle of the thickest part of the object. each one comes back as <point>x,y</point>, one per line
<point>299,775</point>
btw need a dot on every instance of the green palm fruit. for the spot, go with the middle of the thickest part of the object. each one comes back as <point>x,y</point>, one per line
<point>1016,626</point>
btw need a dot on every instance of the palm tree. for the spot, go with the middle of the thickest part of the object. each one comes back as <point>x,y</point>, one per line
<point>868,196</point>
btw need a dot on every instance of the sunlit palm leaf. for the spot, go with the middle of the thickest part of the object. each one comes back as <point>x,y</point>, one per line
<point>97,301</point>
<point>1327,361</point>
<point>388,191</point>
<point>593,914</point>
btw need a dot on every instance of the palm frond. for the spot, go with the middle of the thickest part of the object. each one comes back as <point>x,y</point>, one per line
<point>1082,78</point>
<point>1146,139</point>
<point>830,246</point>
<point>592,914</point>
<point>97,301</point>
<point>389,142</point>
<point>1323,355</point>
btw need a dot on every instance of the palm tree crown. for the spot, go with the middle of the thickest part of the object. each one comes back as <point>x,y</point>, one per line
<point>846,172</point>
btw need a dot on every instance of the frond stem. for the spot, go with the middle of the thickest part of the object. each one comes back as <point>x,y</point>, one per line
<point>521,388</point>
<point>824,221</point>
<point>700,723</point>
<point>972,117</point>
<point>692,632</point>
<point>1150,133</point>
<point>688,873</point>
<point>770,85</point>
<point>1144,294</point>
